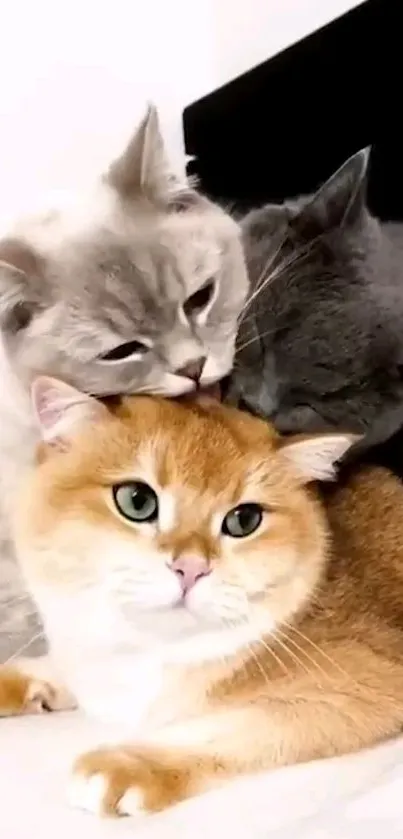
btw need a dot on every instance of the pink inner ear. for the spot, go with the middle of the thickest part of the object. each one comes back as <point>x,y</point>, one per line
<point>45,399</point>
<point>49,415</point>
<point>54,401</point>
<point>51,400</point>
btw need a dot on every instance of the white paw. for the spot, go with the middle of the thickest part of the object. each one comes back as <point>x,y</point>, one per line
<point>131,803</point>
<point>88,793</point>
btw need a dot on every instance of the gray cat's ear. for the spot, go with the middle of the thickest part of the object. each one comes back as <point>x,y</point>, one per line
<point>20,270</point>
<point>61,410</point>
<point>315,457</point>
<point>143,168</point>
<point>342,197</point>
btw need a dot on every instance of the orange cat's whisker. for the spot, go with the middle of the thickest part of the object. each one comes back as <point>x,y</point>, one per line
<point>287,641</point>
<point>364,690</point>
<point>323,654</point>
<point>298,660</point>
<point>250,650</point>
<point>259,664</point>
<point>294,656</point>
<point>274,655</point>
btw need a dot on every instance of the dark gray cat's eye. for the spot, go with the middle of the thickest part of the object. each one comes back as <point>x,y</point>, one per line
<point>242,520</point>
<point>199,300</point>
<point>125,351</point>
<point>136,501</point>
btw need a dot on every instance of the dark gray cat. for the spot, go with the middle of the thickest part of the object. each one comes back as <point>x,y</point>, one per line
<point>321,341</point>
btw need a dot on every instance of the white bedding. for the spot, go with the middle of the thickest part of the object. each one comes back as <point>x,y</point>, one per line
<point>350,798</point>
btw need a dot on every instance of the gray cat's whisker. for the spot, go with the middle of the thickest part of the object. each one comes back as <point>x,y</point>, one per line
<point>254,339</point>
<point>26,613</point>
<point>270,278</point>
<point>296,258</point>
<point>266,267</point>
<point>24,647</point>
<point>263,273</point>
<point>18,598</point>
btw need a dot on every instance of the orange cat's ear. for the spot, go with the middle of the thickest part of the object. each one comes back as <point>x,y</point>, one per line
<point>315,457</point>
<point>61,410</point>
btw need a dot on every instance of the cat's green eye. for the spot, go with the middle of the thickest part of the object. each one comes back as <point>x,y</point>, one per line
<point>136,501</point>
<point>242,520</point>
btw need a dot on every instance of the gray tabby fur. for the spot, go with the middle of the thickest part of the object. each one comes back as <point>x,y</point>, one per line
<point>108,267</point>
<point>321,342</point>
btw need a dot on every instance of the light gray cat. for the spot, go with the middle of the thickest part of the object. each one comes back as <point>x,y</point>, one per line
<point>134,287</point>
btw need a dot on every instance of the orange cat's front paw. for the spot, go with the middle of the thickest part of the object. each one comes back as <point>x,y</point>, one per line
<point>125,782</point>
<point>21,693</point>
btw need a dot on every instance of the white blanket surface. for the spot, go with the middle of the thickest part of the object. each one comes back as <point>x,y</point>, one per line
<point>356,797</point>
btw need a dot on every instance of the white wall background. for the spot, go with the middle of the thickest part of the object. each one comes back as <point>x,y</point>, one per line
<point>75,74</point>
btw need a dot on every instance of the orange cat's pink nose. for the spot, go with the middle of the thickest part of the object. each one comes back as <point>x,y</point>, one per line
<point>189,569</point>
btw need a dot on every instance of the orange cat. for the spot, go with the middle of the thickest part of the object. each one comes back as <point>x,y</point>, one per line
<point>193,584</point>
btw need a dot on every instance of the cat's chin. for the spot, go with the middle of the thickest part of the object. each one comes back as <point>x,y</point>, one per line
<point>212,391</point>
<point>210,394</point>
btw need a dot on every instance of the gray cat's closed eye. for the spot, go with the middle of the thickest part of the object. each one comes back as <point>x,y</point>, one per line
<point>199,300</point>
<point>193,305</point>
<point>129,349</point>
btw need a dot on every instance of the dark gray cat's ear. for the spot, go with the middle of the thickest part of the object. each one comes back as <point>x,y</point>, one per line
<point>341,199</point>
<point>143,168</point>
<point>19,266</point>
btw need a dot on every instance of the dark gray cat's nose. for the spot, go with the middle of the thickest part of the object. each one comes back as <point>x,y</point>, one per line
<point>193,370</point>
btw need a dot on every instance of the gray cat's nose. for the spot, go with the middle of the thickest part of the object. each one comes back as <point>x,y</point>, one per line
<point>193,370</point>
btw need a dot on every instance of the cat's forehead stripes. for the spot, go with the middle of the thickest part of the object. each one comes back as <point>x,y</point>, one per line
<point>188,460</point>
<point>197,467</point>
<point>186,449</point>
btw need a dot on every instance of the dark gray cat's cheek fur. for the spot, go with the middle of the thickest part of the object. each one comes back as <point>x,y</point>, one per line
<point>256,384</point>
<point>328,319</point>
